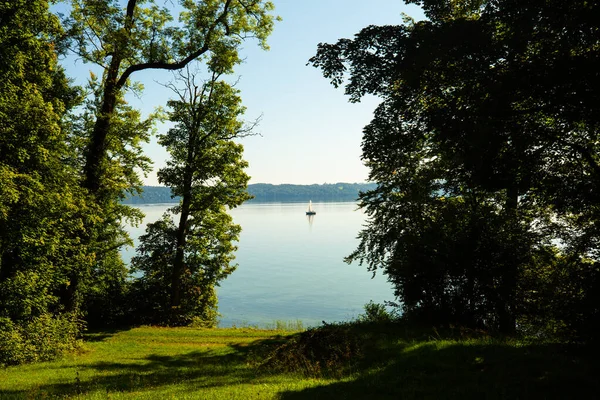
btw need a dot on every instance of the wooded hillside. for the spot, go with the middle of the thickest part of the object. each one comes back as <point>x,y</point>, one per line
<point>265,192</point>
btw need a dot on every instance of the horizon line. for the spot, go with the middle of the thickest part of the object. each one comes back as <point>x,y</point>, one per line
<point>293,184</point>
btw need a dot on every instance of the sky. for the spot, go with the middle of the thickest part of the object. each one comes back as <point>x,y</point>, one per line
<point>309,131</point>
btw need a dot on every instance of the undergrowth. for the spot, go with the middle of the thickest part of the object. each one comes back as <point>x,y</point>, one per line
<point>330,350</point>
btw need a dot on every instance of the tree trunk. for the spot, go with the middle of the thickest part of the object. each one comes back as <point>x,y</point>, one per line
<point>178,263</point>
<point>508,286</point>
<point>96,150</point>
<point>93,170</point>
<point>112,85</point>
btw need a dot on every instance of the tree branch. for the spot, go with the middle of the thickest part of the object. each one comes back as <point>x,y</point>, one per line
<point>130,9</point>
<point>182,63</point>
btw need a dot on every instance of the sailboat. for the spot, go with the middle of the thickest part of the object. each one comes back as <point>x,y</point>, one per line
<point>310,210</point>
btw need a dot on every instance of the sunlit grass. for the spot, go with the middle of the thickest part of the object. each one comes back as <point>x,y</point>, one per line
<point>384,362</point>
<point>152,362</point>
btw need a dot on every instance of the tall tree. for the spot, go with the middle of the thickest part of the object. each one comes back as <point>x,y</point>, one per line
<point>486,102</point>
<point>42,210</point>
<point>187,260</point>
<point>97,288</point>
<point>142,36</point>
<point>124,39</point>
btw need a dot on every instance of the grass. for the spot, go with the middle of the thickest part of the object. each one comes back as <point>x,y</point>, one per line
<point>349,361</point>
<point>277,325</point>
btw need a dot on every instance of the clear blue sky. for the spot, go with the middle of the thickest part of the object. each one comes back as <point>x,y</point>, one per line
<point>310,132</point>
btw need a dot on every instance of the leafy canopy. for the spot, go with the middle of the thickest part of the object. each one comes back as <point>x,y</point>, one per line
<point>486,136</point>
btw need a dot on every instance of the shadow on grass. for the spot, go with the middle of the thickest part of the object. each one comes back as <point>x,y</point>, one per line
<point>470,369</point>
<point>392,363</point>
<point>228,365</point>
<point>99,336</point>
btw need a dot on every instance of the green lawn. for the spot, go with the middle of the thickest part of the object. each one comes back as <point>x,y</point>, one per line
<point>186,363</point>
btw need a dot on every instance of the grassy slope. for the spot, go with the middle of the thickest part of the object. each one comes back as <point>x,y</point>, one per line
<point>222,364</point>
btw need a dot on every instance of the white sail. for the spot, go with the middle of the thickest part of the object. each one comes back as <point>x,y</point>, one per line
<point>310,210</point>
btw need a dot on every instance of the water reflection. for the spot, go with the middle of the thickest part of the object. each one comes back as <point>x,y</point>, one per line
<point>310,221</point>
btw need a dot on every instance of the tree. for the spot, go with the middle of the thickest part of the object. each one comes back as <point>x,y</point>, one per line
<point>99,289</point>
<point>139,38</point>
<point>42,210</point>
<point>185,261</point>
<point>480,105</point>
<point>124,41</point>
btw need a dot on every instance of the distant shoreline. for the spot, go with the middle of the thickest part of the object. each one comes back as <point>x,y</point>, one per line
<point>253,201</point>
<point>268,193</point>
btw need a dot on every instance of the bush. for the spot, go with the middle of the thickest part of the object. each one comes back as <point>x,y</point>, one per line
<point>210,322</point>
<point>375,312</point>
<point>330,350</point>
<point>42,338</point>
<point>560,299</point>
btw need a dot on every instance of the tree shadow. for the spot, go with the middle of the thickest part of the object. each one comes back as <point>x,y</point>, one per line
<point>467,370</point>
<point>391,366</point>
<point>229,365</point>
<point>101,335</point>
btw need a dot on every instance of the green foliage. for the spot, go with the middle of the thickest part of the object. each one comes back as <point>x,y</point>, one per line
<point>181,264</point>
<point>42,209</point>
<point>559,298</point>
<point>143,35</point>
<point>64,174</point>
<point>40,339</point>
<point>100,289</point>
<point>125,137</point>
<point>105,293</point>
<point>150,293</point>
<point>376,313</point>
<point>286,326</point>
<point>155,254</point>
<point>123,38</point>
<point>331,350</point>
<point>484,152</point>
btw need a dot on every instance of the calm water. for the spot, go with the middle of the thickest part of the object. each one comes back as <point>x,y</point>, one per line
<point>291,266</point>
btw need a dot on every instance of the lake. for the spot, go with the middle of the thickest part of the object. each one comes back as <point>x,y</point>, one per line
<point>290,266</point>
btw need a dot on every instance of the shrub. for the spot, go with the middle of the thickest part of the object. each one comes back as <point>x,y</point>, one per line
<point>329,350</point>
<point>375,312</point>
<point>42,338</point>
